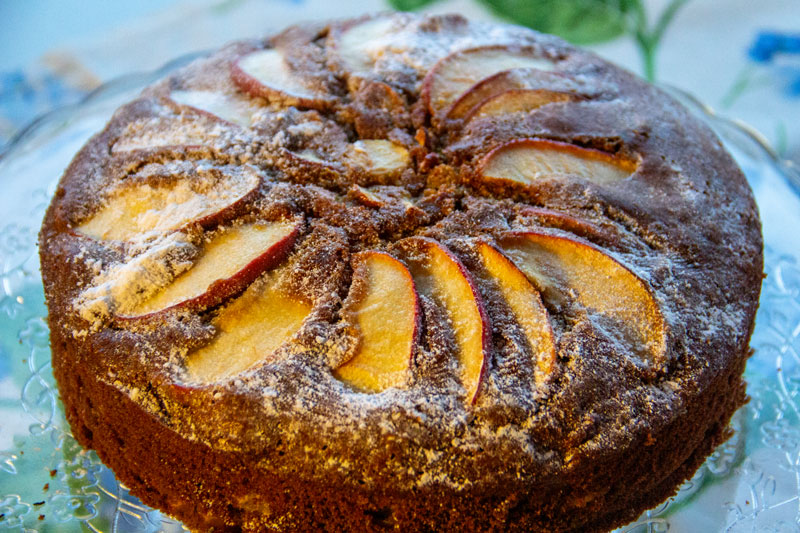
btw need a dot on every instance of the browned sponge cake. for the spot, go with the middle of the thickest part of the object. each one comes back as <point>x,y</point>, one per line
<point>402,272</point>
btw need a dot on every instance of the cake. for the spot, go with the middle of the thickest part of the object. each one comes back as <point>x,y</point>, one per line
<point>402,272</point>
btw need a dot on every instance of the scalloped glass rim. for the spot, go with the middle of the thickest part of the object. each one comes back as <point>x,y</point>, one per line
<point>750,483</point>
<point>122,85</point>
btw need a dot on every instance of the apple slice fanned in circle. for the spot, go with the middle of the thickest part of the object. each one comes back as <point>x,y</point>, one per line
<point>355,48</point>
<point>380,159</point>
<point>526,307</point>
<point>249,331</point>
<point>442,278</point>
<point>266,74</point>
<point>140,207</point>
<point>217,105</point>
<point>540,216</point>
<point>367,162</point>
<point>569,272</point>
<point>508,90</point>
<point>525,161</point>
<point>229,262</point>
<point>516,101</point>
<point>456,73</point>
<point>176,132</point>
<point>383,309</point>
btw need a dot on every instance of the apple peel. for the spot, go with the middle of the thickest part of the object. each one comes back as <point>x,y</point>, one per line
<point>456,73</point>
<point>526,161</point>
<point>141,209</point>
<point>567,271</point>
<point>265,74</point>
<point>526,306</point>
<point>249,331</point>
<point>384,310</point>
<point>440,276</point>
<point>229,262</point>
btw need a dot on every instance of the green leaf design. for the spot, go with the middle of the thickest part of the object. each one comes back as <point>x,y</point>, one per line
<point>409,5</point>
<point>578,21</point>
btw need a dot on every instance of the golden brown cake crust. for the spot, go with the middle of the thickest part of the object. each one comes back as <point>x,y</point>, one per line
<point>285,445</point>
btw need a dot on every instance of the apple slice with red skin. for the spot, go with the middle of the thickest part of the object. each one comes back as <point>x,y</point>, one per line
<point>369,160</point>
<point>230,261</point>
<point>384,310</point>
<point>378,158</point>
<point>217,105</point>
<point>456,73</point>
<point>526,306</point>
<point>555,85</point>
<point>366,197</point>
<point>440,276</point>
<point>265,74</point>
<point>141,207</point>
<point>249,331</point>
<point>557,219</point>
<point>568,271</point>
<point>378,200</point>
<point>516,101</point>
<point>527,160</point>
<point>352,47</point>
<point>306,166</point>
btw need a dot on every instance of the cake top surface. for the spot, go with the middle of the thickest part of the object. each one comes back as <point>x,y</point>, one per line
<point>385,239</point>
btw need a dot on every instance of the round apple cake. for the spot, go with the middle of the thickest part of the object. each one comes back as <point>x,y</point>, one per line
<point>402,272</point>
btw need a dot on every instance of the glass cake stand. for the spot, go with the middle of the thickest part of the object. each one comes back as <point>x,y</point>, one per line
<point>48,483</point>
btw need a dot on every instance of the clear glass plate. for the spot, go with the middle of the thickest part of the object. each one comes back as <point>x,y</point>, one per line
<point>48,483</point>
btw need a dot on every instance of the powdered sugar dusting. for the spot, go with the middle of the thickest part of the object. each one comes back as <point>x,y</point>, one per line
<point>237,111</point>
<point>392,47</point>
<point>119,288</point>
<point>141,208</point>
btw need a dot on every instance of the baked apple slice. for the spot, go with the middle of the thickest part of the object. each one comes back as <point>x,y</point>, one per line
<point>231,261</point>
<point>306,166</point>
<point>568,271</point>
<point>383,308</point>
<point>456,73</point>
<point>526,305</point>
<point>174,133</point>
<point>440,276</point>
<point>516,101</point>
<point>140,208</point>
<point>378,158</point>
<point>366,197</point>
<point>356,49</point>
<point>554,85</point>
<point>249,331</point>
<point>528,160</point>
<point>217,105</point>
<point>265,74</point>
<point>560,220</point>
<point>369,161</point>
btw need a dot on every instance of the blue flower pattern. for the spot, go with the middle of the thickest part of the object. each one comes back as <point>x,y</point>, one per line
<point>768,46</point>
